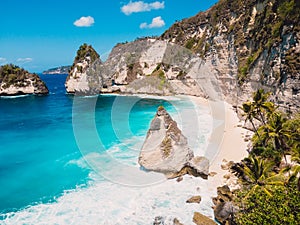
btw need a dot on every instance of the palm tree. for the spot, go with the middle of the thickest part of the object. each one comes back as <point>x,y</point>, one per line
<point>275,133</point>
<point>259,109</point>
<point>294,173</point>
<point>261,106</point>
<point>249,114</point>
<point>257,173</point>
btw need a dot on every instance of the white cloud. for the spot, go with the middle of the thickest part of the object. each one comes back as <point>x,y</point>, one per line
<point>140,6</point>
<point>24,60</point>
<point>2,60</point>
<point>84,21</point>
<point>156,23</point>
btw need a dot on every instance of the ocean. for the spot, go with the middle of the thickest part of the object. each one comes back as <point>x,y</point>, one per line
<point>73,160</point>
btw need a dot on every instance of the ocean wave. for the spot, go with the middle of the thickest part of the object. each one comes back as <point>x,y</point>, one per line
<point>108,203</point>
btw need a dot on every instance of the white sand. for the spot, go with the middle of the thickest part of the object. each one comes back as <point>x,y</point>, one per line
<point>232,147</point>
<point>226,142</point>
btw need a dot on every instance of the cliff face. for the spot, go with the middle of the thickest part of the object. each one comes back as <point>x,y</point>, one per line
<point>225,53</point>
<point>17,81</point>
<point>247,44</point>
<point>151,66</point>
<point>79,80</point>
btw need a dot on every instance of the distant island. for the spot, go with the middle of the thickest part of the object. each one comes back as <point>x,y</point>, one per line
<point>58,70</point>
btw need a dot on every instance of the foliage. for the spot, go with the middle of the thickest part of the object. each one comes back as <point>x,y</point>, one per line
<point>274,134</point>
<point>86,51</point>
<point>190,43</point>
<point>259,108</point>
<point>286,9</point>
<point>257,173</point>
<point>259,208</point>
<point>269,195</point>
<point>12,74</point>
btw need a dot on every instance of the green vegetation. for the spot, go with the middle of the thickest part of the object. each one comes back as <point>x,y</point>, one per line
<point>270,189</point>
<point>263,34</point>
<point>86,51</point>
<point>282,208</point>
<point>166,147</point>
<point>12,74</point>
<point>190,43</point>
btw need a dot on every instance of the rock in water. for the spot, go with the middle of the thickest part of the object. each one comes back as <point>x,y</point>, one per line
<point>17,81</point>
<point>165,149</point>
<point>83,78</point>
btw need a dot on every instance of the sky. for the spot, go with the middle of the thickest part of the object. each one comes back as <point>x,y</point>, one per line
<point>38,35</point>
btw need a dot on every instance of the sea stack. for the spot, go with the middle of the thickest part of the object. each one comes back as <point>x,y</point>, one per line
<point>17,81</point>
<point>165,149</point>
<point>81,79</point>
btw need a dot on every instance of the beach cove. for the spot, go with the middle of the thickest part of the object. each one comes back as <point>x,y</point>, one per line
<point>110,200</point>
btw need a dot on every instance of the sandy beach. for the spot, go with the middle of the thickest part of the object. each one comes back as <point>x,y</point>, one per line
<point>226,141</point>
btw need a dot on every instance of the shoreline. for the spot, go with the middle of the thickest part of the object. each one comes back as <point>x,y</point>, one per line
<point>140,205</point>
<point>226,141</point>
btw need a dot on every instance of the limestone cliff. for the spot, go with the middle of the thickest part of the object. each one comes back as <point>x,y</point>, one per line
<point>152,66</point>
<point>17,81</point>
<point>247,44</point>
<point>81,80</point>
<point>225,53</point>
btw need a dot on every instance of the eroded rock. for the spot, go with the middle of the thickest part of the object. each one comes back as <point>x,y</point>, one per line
<point>200,219</point>
<point>165,149</point>
<point>194,199</point>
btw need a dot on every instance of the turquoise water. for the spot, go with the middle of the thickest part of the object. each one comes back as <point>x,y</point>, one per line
<point>38,144</point>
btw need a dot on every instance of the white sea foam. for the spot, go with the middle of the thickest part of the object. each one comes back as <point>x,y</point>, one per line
<point>108,203</point>
<point>15,96</point>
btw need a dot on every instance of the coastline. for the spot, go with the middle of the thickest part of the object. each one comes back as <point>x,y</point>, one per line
<point>140,205</point>
<point>225,143</point>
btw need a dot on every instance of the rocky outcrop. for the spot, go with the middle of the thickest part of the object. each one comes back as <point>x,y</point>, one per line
<point>17,81</point>
<point>150,66</point>
<point>83,78</point>
<point>225,53</point>
<point>166,150</point>
<point>200,219</point>
<point>224,208</point>
<point>247,45</point>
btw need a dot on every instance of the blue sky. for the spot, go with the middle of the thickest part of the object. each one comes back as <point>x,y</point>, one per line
<point>38,35</point>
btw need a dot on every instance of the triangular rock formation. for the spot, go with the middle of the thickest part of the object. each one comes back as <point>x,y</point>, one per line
<point>166,149</point>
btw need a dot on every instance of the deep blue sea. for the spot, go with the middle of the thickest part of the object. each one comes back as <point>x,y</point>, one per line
<point>50,147</point>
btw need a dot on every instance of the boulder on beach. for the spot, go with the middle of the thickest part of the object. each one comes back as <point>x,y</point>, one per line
<point>166,150</point>
<point>224,207</point>
<point>194,199</point>
<point>200,219</point>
